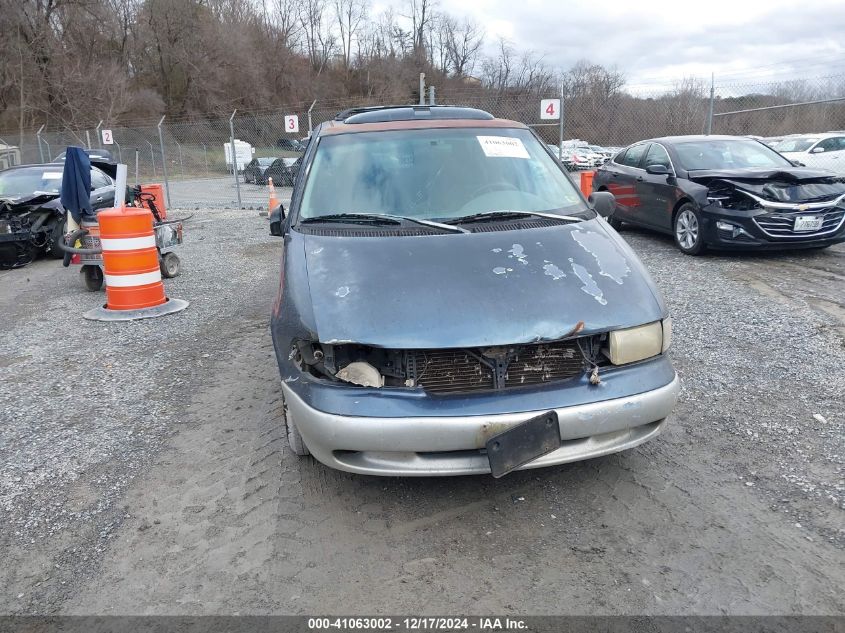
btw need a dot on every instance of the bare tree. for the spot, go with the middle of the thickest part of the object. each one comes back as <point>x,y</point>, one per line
<point>421,16</point>
<point>462,43</point>
<point>350,15</point>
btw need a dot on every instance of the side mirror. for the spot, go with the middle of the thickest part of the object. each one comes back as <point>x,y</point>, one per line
<point>603,203</point>
<point>817,150</point>
<point>277,221</point>
<point>658,170</point>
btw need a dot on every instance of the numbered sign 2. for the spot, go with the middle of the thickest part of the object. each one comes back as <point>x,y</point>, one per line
<point>550,109</point>
<point>292,123</point>
<point>108,139</point>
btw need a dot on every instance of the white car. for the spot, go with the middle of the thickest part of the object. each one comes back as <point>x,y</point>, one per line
<point>826,151</point>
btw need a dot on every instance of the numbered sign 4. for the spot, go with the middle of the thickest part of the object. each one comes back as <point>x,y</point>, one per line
<point>292,123</point>
<point>550,109</point>
<point>108,139</point>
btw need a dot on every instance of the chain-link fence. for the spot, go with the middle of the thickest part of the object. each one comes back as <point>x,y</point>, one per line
<point>209,162</point>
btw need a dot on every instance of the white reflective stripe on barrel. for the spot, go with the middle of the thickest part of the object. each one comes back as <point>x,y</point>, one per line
<point>139,279</point>
<point>127,243</point>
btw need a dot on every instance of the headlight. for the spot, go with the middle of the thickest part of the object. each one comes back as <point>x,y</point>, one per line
<point>639,343</point>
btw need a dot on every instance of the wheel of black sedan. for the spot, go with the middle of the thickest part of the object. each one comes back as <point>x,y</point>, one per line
<point>687,230</point>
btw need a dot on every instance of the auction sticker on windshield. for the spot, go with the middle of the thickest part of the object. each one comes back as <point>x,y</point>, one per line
<point>502,147</point>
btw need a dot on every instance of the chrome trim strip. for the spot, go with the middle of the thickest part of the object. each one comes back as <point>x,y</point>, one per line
<point>793,206</point>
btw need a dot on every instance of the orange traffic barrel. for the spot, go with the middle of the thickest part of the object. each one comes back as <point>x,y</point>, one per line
<point>587,182</point>
<point>130,259</point>
<point>131,270</point>
<point>157,192</point>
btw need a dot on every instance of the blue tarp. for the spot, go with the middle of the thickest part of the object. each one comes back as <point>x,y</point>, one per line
<point>76,183</point>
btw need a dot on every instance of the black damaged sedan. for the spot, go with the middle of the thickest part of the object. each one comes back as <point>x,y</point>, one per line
<point>725,193</point>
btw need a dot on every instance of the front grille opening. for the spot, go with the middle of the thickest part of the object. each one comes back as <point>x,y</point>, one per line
<point>446,370</point>
<point>462,370</point>
<point>781,223</point>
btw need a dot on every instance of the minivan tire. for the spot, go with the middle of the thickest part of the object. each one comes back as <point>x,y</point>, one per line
<point>688,231</point>
<point>295,441</point>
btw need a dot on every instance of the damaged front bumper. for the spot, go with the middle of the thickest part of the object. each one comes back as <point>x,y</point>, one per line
<point>447,436</point>
<point>769,228</point>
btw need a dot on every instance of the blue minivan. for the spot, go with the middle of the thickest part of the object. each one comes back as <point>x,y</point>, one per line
<point>450,303</point>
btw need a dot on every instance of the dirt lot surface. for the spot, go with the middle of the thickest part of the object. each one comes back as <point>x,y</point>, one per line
<point>143,468</point>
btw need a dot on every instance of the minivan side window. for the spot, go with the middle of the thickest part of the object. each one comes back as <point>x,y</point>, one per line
<point>634,155</point>
<point>657,156</point>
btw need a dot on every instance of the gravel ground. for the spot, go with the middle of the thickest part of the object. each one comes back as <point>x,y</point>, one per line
<point>142,468</point>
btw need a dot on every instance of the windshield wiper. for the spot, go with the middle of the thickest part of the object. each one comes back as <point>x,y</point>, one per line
<point>490,216</point>
<point>364,218</point>
<point>381,218</point>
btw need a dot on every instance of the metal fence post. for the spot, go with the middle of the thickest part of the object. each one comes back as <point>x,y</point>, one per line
<point>431,95</point>
<point>40,149</point>
<point>49,151</point>
<point>560,129</point>
<point>710,113</point>
<point>309,116</point>
<point>119,153</point>
<point>152,158</point>
<point>163,161</point>
<point>99,136</point>
<point>205,158</point>
<point>88,138</point>
<point>234,155</point>
<point>137,151</point>
<point>422,88</point>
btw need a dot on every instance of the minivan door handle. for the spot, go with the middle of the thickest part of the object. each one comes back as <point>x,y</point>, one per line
<point>640,178</point>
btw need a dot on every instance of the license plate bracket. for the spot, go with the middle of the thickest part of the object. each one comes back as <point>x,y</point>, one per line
<point>807,223</point>
<point>523,443</point>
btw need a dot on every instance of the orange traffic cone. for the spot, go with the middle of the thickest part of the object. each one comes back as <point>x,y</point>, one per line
<point>274,201</point>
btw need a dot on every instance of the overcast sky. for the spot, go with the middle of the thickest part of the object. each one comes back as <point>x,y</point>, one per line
<point>655,41</point>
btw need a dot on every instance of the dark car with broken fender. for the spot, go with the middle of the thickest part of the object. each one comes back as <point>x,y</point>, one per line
<point>725,193</point>
<point>450,304</point>
<point>32,218</point>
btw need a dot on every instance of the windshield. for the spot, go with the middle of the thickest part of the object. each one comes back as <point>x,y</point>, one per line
<point>436,174</point>
<point>728,154</point>
<point>265,162</point>
<point>17,183</point>
<point>796,144</point>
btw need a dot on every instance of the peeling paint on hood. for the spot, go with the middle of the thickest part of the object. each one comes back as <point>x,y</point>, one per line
<point>610,261</point>
<point>463,290</point>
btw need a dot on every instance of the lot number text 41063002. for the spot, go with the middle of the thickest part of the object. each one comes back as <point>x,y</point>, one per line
<point>416,623</point>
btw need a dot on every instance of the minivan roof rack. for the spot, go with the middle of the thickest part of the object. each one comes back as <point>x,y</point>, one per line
<point>382,114</point>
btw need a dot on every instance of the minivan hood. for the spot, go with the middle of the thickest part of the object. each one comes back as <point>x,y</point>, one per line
<point>479,289</point>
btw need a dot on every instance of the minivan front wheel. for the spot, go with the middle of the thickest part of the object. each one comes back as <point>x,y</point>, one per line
<point>295,441</point>
<point>688,230</point>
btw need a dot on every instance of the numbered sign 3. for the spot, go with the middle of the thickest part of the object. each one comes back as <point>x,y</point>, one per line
<point>108,139</point>
<point>292,123</point>
<point>550,109</point>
